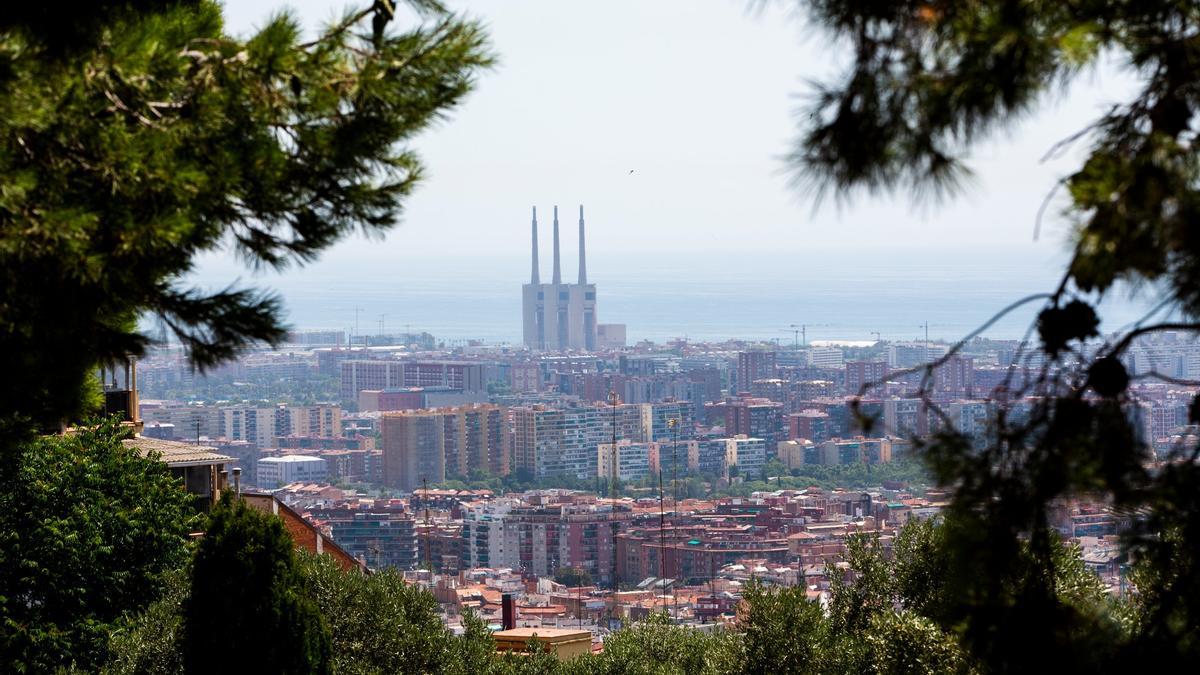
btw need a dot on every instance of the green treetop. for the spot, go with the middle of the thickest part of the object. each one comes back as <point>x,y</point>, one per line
<point>138,135</point>
<point>926,80</point>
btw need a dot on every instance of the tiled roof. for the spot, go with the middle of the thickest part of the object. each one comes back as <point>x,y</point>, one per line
<point>177,453</point>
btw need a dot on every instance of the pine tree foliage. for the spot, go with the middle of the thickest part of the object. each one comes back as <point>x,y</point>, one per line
<point>157,136</point>
<point>927,80</point>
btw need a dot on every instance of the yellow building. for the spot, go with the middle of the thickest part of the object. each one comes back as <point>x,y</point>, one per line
<point>564,643</point>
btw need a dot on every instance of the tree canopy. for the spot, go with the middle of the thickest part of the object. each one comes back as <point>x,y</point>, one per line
<point>573,576</point>
<point>926,81</point>
<point>158,136</point>
<point>88,530</point>
<point>248,603</point>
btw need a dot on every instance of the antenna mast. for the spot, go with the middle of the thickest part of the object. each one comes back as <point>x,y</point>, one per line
<point>425,503</point>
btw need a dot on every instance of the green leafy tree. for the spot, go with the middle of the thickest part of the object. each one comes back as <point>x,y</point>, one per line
<point>379,624</point>
<point>160,137</point>
<point>919,564</point>
<point>928,80</point>
<point>151,643</point>
<point>573,576</point>
<point>88,529</point>
<point>654,646</point>
<point>773,468</point>
<point>903,643</point>
<point>871,591</point>
<point>782,631</point>
<point>248,603</point>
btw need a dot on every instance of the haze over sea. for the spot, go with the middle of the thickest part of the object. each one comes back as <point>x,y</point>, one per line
<point>707,296</point>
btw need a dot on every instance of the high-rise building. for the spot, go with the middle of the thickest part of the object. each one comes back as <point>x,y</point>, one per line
<point>755,417</point>
<point>656,421</point>
<point>556,441</point>
<point>906,417</point>
<point>955,378</point>
<point>545,537</point>
<point>634,461</point>
<point>558,316</point>
<point>811,425</point>
<point>436,444</point>
<point>563,441</point>
<point>413,448</point>
<point>747,454</point>
<point>247,423</point>
<point>381,535</point>
<point>483,533</point>
<point>754,365</point>
<point>477,438</point>
<point>707,456</point>
<point>912,354</point>
<point>825,357</point>
<point>862,373</point>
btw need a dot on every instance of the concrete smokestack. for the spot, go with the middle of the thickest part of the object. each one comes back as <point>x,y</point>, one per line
<point>582,254</point>
<point>533,279</point>
<point>557,266</point>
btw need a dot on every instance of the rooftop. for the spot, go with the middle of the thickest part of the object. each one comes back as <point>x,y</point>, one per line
<point>176,453</point>
<point>289,459</point>
<point>544,633</point>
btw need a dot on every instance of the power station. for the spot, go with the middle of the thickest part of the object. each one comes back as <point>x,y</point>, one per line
<point>558,316</point>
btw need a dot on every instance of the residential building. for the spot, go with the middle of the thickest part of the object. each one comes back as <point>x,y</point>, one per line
<point>754,365</point>
<point>483,533</point>
<point>381,534</point>
<point>275,472</point>
<point>955,378</point>
<point>634,460</point>
<point>747,454</point>
<point>755,417</point>
<point>414,448</point>
<point>825,357</point>
<point>657,419</point>
<point>812,425</point>
<point>562,441</point>
<point>440,443</point>
<point>861,374</point>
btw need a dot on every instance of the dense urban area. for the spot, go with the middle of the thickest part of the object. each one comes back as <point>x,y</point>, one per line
<point>486,473</point>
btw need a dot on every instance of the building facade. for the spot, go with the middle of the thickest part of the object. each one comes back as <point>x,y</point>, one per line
<point>749,455</point>
<point>754,365</point>
<point>436,444</point>
<point>275,472</point>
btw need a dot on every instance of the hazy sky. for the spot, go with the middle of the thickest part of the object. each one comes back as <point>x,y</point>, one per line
<point>696,97</point>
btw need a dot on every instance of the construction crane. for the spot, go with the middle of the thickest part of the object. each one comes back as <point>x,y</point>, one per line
<point>797,331</point>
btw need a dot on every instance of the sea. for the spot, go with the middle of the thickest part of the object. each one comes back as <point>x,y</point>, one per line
<point>845,295</point>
